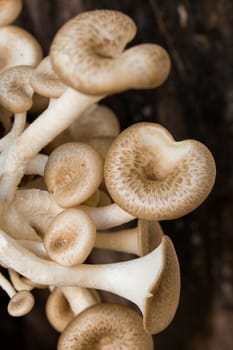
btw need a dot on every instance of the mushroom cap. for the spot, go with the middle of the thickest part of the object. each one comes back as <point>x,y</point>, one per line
<point>149,235</point>
<point>94,62</point>
<point>45,81</point>
<point>21,303</point>
<point>18,47</point>
<point>58,310</point>
<point>98,120</point>
<point>153,177</point>
<point>9,11</point>
<point>106,326</point>
<point>15,89</point>
<point>73,173</point>
<point>160,307</point>
<point>70,237</point>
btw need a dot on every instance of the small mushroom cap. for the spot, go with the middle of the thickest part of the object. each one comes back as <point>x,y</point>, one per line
<point>161,306</point>
<point>106,326</point>
<point>98,120</point>
<point>45,81</point>
<point>153,177</point>
<point>9,11</point>
<point>149,235</point>
<point>21,303</point>
<point>73,173</point>
<point>58,310</point>
<point>70,237</point>
<point>18,48</point>
<point>15,89</point>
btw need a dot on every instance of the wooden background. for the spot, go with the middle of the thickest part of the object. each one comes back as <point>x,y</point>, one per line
<point>195,102</point>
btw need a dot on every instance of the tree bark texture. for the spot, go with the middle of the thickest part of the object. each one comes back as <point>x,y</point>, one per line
<point>195,102</point>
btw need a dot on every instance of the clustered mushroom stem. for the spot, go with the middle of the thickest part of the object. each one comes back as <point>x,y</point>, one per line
<point>6,286</point>
<point>45,128</point>
<point>139,273</point>
<point>17,129</point>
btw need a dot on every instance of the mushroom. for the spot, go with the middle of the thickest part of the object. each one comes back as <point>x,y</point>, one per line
<point>9,11</point>
<point>20,302</point>
<point>64,303</point>
<point>106,326</point>
<point>146,66</point>
<point>152,282</point>
<point>18,48</point>
<point>70,237</point>
<point>153,177</point>
<point>73,173</point>
<point>97,121</point>
<point>16,96</point>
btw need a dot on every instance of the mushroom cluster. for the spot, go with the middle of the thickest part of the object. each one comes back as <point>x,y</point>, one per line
<point>70,179</point>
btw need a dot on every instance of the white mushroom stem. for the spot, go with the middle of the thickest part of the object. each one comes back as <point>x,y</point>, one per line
<point>80,298</point>
<point>17,129</point>
<point>36,165</point>
<point>109,216</point>
<point>39,207</point>
<point>122,241</point>
<point>56,118</point>
<point>7,286</point>
<point>131,279</point>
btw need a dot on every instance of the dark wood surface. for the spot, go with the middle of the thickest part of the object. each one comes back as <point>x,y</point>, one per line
<point>195,102</point>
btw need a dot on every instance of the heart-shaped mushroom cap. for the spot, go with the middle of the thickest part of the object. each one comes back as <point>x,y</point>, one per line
<point>153,177</point>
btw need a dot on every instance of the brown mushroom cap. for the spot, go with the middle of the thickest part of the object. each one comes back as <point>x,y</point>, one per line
<point>70,237</point>
<point>15,89</point>
<point>58,310</point>
<point>106,326</point>
<point>9,11</point>
<point>93,62</point>
<point>18,47</point>
<point>160,307</point>
<point>45,81</point>
<point>21,303</point>
<point>153,177</point>
<point>73,173</point>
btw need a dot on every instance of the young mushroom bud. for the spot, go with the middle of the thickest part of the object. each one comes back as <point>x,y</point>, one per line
<point>101,65</point>
<point>70,237</point>
<point>153,177</point>
<point>73,173</point>
<point>9,11</point>
<point>106,326</point>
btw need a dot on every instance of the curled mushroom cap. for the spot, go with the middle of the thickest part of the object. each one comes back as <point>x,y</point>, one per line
<point>73,173</point>
<point>18,47</point>
<point>9,11</point>
<point>15,89</point>
<point>101,65</point>
<point>153,177</point>
<point>106,326</point>
<point>70,237</point>
<point>21,303</point>
<point>45,81</point>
